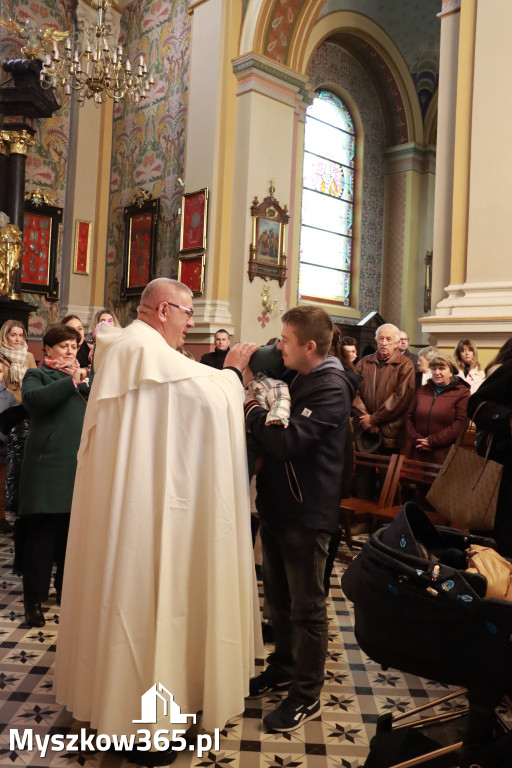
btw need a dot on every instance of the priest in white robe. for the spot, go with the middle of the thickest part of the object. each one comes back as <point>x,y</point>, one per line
<point>159,583</point>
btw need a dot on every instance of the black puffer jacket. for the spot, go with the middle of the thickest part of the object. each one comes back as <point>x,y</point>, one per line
<point>299,485</point>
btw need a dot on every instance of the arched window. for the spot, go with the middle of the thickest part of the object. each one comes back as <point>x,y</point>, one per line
<point>327,202</point>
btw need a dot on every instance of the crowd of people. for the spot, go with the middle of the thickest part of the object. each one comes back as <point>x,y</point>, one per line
<point>147,428</point>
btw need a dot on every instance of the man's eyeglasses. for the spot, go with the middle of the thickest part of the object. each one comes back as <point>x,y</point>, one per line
<point>188,310</point>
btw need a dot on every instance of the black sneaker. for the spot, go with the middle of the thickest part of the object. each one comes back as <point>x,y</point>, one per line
<point>266,683</point>
<point>290,715</point>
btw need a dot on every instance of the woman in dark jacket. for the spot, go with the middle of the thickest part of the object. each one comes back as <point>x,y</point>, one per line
<point>437,414</point>
<point>494,418</point>
<point>55,397</point>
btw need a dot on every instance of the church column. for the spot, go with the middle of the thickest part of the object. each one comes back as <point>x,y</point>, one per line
<point>243,115</point>
<point>409,203</point>
<point>445,147</point>
<point>269,143</point>
<point>87,192</point>
<point>480,291</point>
<point>209,154</point>
<point>4,171</point>
<point>19,144</point>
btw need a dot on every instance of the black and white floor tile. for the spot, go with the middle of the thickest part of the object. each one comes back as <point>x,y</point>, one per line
<point>356,692</point>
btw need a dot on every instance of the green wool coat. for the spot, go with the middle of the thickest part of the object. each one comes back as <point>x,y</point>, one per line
<point>49,463</point>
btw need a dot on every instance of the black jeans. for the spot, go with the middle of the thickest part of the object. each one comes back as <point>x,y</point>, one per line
<point>293,579</point>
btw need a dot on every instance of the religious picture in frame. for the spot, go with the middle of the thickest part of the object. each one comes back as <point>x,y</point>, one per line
<point>194,221</point>
<point>267,257</point>
<point>82,252</point>
<point>191,272</point>
<point>140,232</point>
<point>41,223</point>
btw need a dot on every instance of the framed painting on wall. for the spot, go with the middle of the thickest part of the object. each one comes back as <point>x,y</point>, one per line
<point>194,221</point>
<point>267,258</point>
<point>41,224</point>
<point>140,232</point>
<point>191,272</point>
<point>81,256</point>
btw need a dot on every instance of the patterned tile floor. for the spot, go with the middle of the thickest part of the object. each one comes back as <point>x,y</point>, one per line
<point>356,692</point>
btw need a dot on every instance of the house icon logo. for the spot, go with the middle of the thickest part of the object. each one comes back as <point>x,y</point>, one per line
<point>149,707</point>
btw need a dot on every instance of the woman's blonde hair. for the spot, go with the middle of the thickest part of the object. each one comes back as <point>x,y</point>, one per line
<point>104,311</point>
<point>8,326</point>
<point>458,349</point>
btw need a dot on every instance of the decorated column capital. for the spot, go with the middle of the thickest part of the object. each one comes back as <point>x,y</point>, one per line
<point>256,73</point>
<point>19,141</point>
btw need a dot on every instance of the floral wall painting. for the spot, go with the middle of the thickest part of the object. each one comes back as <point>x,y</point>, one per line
<point>149,139</point>
<point>46,165</point>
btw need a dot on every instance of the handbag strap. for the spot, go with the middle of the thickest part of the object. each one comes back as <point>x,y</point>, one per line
<point>467,425</point>
<point>460,438</point>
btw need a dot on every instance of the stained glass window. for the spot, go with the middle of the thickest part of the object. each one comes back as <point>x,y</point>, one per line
<point>327,201</point>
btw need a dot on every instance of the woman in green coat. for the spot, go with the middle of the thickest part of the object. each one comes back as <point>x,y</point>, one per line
<point>55,397</point>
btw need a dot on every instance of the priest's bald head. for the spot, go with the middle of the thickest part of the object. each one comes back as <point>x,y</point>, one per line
<point>166,305</point>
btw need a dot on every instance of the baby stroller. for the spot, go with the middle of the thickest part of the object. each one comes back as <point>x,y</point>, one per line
<point>418,610</point>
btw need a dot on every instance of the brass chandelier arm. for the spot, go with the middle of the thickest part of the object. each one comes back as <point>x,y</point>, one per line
<point>97,71</point>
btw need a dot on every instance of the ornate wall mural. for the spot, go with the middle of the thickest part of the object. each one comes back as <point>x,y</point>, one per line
<point>149,139</point>
<point>332,65</point>
<point>412,25</point>
<point>47,159</point>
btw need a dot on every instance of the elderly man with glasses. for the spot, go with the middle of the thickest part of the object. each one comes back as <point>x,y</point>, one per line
<point>160,587</point>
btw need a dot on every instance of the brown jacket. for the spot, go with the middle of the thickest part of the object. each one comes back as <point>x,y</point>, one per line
<point>385,393</point>
<point>31,363</point>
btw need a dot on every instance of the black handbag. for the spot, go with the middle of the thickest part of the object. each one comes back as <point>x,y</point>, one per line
<point>12,416</point>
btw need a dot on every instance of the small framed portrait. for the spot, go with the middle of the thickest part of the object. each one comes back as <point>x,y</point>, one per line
<point>194,221</point>
<point>140,233</point>
<point>191,272</point>
<point>267,256</point>
<point>41,224</point>
<point>82,252</point>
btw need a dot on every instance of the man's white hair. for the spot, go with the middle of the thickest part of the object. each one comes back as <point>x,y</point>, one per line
<point>396,330</point>
<point>158,286</point>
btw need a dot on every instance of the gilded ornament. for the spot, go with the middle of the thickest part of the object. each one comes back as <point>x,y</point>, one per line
<point>37,196</point>
<point>35,43</point>
<point>139,197</point>
<point>10,252</point>
<point>19,141</point>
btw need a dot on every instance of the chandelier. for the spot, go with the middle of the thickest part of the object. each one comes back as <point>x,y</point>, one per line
<point>96,71</point>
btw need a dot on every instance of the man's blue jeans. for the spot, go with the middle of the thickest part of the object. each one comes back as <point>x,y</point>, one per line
<point>293,578</point>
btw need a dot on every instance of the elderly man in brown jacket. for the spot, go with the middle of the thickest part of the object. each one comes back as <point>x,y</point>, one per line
<point>386,390</point>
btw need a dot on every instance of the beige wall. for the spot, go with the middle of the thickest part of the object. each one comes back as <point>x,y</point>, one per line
<point>490,220</point>
<point>264,150</point>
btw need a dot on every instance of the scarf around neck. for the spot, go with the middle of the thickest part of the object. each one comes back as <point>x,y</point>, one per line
<point>17,357</point>
<point>64,367</point>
